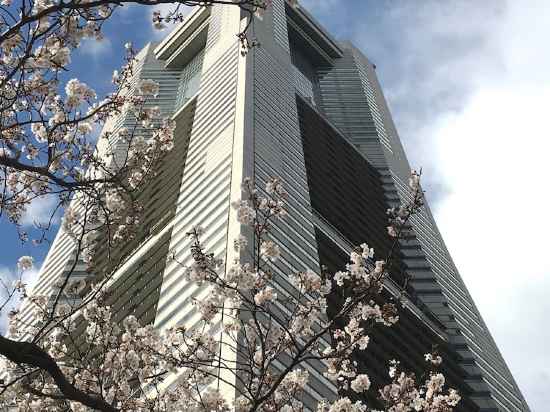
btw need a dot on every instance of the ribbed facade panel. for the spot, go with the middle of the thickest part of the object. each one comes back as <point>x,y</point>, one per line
<point>278,152</point>
<point>205,188</point>
<point>279,24</point>
<point>146,67</point>
<point>60,259</point>
<point>346,105</point>
<point>56,264</point>
<point>278,147</point>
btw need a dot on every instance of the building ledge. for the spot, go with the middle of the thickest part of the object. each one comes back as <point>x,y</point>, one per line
<point>183,32</point>
<point>314,30</point>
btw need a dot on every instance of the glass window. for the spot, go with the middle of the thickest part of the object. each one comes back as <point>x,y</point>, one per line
<point>190,79</point>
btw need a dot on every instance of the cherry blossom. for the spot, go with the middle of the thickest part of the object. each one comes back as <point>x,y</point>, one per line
<point>433,358</point>
<point>149,87</point>
<point>361,383</point>
<point>25,263</point>
<point>270,250</point>
<point>133,355</point>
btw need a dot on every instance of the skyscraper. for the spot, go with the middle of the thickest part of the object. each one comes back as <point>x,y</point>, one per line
<point>309,109</point>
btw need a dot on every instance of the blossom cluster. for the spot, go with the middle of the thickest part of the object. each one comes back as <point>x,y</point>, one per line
<point>48,127</point>
<point>124,357</point>
<point>271,323</point>
<point>125,363</point>
<point>404,394</point>
<point>398,217</point>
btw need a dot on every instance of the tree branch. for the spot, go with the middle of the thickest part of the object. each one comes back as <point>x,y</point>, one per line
<point>31,354</point>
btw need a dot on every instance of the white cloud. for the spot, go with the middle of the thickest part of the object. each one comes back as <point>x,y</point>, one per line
<point>489,148</point>
<point>96,48</point>
<point>493,156</point>
<point>41,211</point>
<point>8,276</point>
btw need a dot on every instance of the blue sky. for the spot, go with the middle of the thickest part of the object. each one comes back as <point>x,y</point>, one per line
<point>93,64</point>
<point>467,83</point>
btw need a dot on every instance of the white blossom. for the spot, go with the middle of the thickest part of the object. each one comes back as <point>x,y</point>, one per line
<point>414,180</point>
<point>433,359</point>
<point>379,266</point>
<point>5,152</point>
<point>25,263</point>
<point>40,132</point>
<point>240,243</point>
<point>342,405</point>
<point>265,295</point>
<point>245,213</point>
<point>149,87</point>
<point>77,93</point>
<point>308,282</point>
<point>270,250</point>
<point>361,383</point>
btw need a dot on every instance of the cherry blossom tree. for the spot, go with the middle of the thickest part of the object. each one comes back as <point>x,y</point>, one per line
<point>87,359</point>
<point>76,355</point>
<point>49,144</point>
<point>48,139</point>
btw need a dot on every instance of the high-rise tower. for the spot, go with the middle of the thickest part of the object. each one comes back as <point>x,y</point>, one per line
<point>310,110</point>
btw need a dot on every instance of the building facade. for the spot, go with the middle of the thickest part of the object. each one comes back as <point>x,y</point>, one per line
<point>310,110</point>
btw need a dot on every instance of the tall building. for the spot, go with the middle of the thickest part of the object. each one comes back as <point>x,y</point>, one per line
<point>309,109</point>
